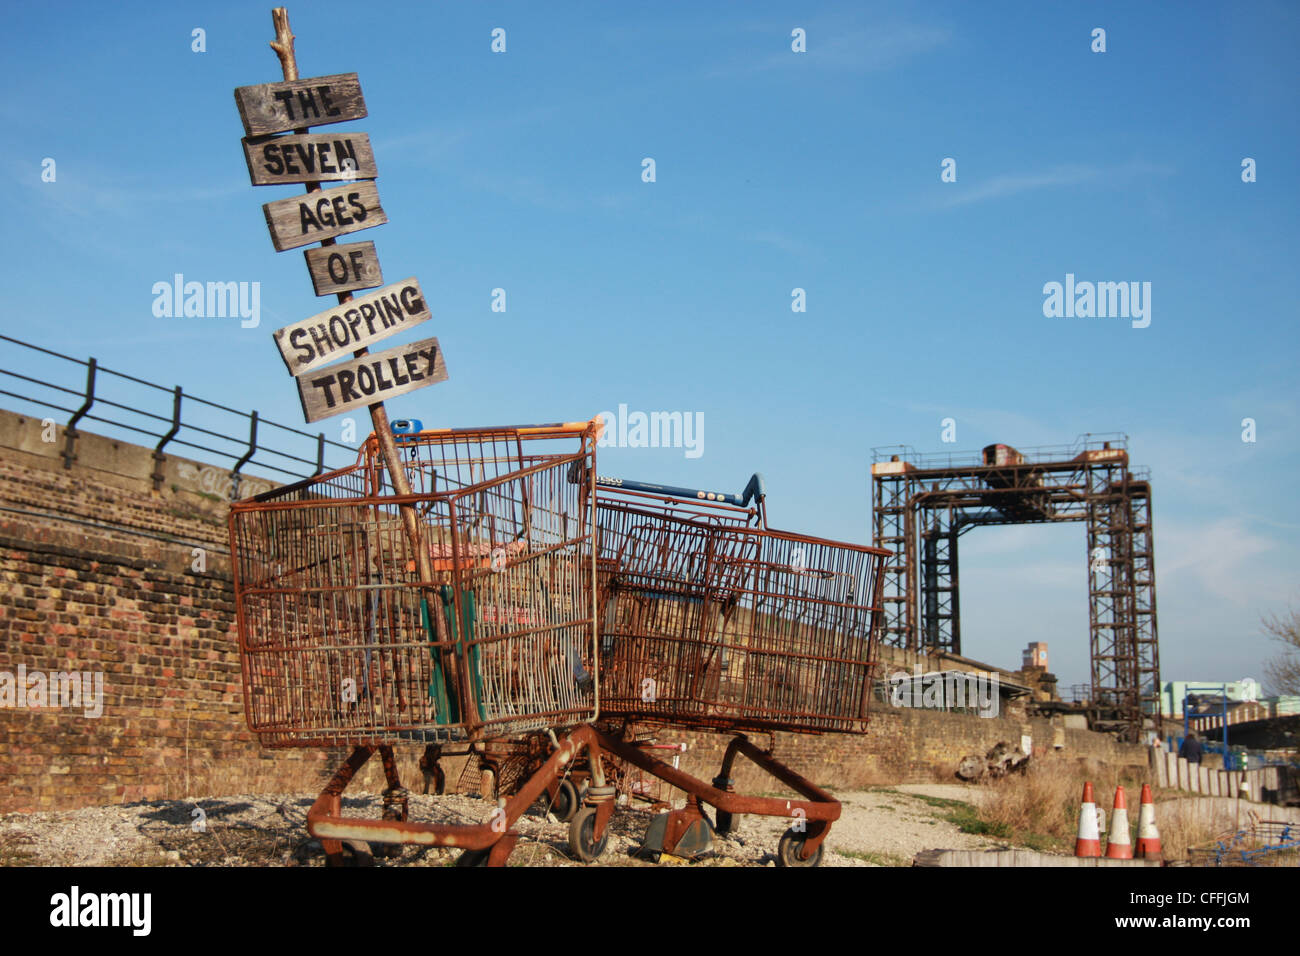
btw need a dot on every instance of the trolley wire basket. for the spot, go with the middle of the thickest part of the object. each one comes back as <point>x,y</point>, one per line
<point>505,598</point>
<point>459,611</point>
<point>711,622</point>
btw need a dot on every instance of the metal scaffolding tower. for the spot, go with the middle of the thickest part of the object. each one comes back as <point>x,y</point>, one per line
<point>922,504</point>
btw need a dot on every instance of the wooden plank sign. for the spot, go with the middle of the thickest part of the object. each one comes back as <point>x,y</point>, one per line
<point>371,378</point>
<point>311,217</point>
<point>296,104</point>
<point>310,158</point>
<point>344,267</point>
<point>352,325</point>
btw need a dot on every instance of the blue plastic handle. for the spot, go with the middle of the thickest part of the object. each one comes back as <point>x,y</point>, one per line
<point>752,490</point>
<point>406,427</point>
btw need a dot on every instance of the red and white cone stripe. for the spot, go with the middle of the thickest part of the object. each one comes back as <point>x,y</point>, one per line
<point>1148,845</point>
<point>1118,844</point>
<point>1089,841</point>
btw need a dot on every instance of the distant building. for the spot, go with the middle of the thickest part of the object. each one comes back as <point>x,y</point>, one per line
<point>1282,706</point>
<point>1035,655</point>
<point>1173,692</point>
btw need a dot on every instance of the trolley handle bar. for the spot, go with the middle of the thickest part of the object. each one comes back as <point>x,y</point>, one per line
<point>411,430</point>
<point>753,490</point>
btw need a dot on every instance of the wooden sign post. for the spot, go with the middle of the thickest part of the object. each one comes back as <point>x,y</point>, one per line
<point>355,324</point>
<point>319,216</point>
<point>302,159</point>
<point>277,107</point>
<point>336,268</point>
<point>375,375</point>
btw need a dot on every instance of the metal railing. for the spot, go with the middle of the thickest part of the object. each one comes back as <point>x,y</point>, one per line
<point>1241,758</point>
<point>1077,693</point>
<point>91,401</point>
<point>1032,455</point>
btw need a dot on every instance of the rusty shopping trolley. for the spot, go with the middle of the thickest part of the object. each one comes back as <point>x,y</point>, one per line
<point>461,612</point>
<point>709,620</point>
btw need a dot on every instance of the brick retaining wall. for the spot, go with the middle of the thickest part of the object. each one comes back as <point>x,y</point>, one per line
<point>98,573</point>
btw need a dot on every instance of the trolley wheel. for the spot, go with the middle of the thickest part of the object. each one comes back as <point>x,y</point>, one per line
<point>787,851</point>
<point>357,853</point>
<point>582,836</point>
<point>567,801</point>
<point>723,823</point>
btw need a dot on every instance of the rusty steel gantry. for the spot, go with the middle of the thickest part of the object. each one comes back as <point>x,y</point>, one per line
<point>923,503</point>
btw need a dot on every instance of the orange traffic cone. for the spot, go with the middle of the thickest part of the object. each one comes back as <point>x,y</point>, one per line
<point>1118,846</point>
<point>1089,841</point>
<point>1148,845</point>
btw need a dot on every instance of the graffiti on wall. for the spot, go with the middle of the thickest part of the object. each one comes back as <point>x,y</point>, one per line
<point>208,479</point>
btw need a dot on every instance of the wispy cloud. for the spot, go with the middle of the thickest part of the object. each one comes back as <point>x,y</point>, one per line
<point>425,143</point>
<point>860,49</point>
<point>72,209</point>
<point>1011,184</point>
<point>521,189</point>
<point>1005,548</point>
<point>1223,559</point>
<point>91,193</point>
<point>779,240</point>
<point>977,426</point>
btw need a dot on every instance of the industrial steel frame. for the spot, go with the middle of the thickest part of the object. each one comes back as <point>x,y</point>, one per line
<point>923,503</point>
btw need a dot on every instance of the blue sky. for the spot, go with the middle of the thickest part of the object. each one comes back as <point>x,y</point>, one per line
<point>775,170</point>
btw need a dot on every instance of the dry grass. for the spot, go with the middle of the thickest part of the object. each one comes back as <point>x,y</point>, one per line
<point>1187,823</point>
<point>877,859</point>
<point>1040,807</point>
<point>1200,830</point>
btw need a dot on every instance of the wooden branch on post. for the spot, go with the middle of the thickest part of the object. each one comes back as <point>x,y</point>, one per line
<point>283,43</point>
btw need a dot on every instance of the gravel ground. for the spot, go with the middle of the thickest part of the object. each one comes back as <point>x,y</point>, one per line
<point>877,827</point>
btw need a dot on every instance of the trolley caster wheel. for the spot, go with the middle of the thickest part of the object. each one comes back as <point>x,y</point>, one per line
<point>723,822</point>
<point>567,802</point>
<point>787,851</point>
<point>357,853</point>
<point>582,836</point>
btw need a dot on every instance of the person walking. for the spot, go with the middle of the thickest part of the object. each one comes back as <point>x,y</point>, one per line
<point>1191,748</point>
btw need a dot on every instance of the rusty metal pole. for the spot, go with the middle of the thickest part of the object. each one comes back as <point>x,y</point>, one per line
<point>283,47</point>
